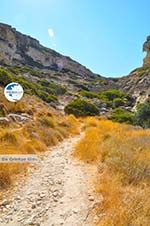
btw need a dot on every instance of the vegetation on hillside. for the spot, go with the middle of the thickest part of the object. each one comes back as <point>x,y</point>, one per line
<point>115,101</point>
<point>141,71</point>
<point>112,97</point>
<point>89,94</point>
<point>81,107</point>
<point>44,89</point>
<point>122,154</point>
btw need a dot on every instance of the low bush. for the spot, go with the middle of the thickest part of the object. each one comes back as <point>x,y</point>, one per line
<point>121,115</point>
<point>52,87</point>
<point>80,107</point>
<point>46,97</point>
<point>116,98</point>
<point>117,102</point>
<point>111,94</point>
<point>142,116</point>
<point>5,77</point>
<point>89,94</point>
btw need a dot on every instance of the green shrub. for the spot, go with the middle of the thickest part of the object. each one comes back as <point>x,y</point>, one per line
<point>116,98</point>
<point>80,107</point>
<point>24,69</point>
<point>29,87</point>
<point>142,116</point>
<point>89,94</point>
<point>5,77</point>
<point>53,88</point>
<point>120,115</point>
<point>36,89</point>
<point>47,97</point>
<point>111,94</point>
<point>117,102</point>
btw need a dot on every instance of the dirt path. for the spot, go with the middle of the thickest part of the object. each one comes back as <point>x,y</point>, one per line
<point>57,192</point>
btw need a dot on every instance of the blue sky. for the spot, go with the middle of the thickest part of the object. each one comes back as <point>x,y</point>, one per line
<point>104,35</point>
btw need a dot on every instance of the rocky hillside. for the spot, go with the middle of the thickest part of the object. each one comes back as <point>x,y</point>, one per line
<point>53,73</point>
<point>19,49</point>
<point>137,83</point>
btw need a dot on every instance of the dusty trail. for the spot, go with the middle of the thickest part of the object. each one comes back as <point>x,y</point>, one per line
<point>58,192</point>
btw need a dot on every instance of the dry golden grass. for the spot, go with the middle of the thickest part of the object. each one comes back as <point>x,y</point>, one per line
<point>88,148</point>
<point>46,128</point>
<point>122,153</point>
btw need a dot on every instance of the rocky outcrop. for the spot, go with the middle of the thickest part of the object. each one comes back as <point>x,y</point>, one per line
<point>136,85</point>
<point>19,49</point>
<point>146,48</point>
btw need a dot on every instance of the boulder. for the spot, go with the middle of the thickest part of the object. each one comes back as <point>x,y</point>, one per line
<point>19,117</point>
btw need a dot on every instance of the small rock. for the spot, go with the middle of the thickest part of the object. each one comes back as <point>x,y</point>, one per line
<point>47,208</point>
<point>8,206</point>
<point>55,194</point>
<point>91,198</point>
<point>75,211</point>
<point>14,209</point>
<point>51,182</point>
<point>5,202</point>
<point>18,198</point>
<point>29,222</point>
<point>8,218</point>
<point>59,182</point>
<point>42,195</point>
<point>38,203</point>
<point>55,199</point>
<point>33,206</point>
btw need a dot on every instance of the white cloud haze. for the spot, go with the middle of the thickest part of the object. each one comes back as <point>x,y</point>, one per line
<point>51,33</point>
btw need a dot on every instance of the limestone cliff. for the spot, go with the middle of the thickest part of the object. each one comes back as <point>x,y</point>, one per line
<point>146,48</point>
<point>19,49</point>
